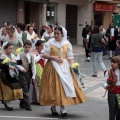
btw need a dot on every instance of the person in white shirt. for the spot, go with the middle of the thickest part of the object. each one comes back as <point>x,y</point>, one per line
<point>5,24</point>
<point>19,27</point>
<point>48,34</point>
<point>112,33</point>
<point>40,63</point>
<point>27,73</point>
<point>87,45</point>
<point>58,86</point>
<point>111,83</point>
<point>32,36</point>
<point>12,37</point>
<point>102,30</point>
<point>3,36</point>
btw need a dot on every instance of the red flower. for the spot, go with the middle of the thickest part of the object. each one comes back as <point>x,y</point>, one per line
<point>111,81</point>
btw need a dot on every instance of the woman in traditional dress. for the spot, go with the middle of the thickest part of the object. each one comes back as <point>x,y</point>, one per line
<point>48,33</point>
<point>32,36</point>
<point>3,36</point>
<point>12,37</point>
<point>10,88</point>
<point>58,85</point>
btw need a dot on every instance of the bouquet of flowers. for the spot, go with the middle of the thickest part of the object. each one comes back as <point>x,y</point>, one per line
<point>5,61</point>
<point>111,81</point>
<point>75,67</point>
<point>19,50</point>
<point>13,73</point>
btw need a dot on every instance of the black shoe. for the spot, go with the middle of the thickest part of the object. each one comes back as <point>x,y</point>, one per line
<point>54,113</point>
<point>28,108</point>
<point>87,60</point>
<point>94,75</point>
<point>64,114</point>
<point>22,105</point>
<point>35,103</point>
<point>9,108</point>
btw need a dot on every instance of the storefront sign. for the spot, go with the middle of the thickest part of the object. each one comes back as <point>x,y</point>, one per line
<point>103,7</point>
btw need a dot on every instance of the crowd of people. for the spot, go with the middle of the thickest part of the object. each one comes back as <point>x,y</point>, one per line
<point>37,70</point>
<point>99,42</point>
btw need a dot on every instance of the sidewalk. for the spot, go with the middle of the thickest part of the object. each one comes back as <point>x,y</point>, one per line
<point>93,88</point>
<point>78,49</point>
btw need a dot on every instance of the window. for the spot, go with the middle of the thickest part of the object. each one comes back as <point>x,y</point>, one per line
<point>51,13</point>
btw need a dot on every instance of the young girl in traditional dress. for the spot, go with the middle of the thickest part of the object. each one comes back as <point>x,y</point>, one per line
<point>111,83</point>
<point>10,88</point>
<point>40,62</point>
<point>58,85</point>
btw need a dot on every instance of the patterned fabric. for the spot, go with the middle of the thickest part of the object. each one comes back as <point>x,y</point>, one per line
<point>15,84</point>
<point>51,89</point>
<point>118,99</point>
<point>39,71</point>
<point>112,74</point>
<point>41,62</point>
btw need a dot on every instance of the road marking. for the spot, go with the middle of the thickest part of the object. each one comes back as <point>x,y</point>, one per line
<point>21,117</point>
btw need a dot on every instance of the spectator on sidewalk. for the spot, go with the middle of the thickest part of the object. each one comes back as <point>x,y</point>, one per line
<point>85,30</point>
<point>87,45</point>
<point>112,34</point>
<point>97,52</point>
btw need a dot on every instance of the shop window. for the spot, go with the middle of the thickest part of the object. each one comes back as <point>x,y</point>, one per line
<point>51,14</point>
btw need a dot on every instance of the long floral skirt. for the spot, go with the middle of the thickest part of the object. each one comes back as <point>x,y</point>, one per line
<point>52,92</point>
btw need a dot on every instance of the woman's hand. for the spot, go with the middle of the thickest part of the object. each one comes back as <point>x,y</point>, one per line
<point>34,52</point>
<point>58,59</point>
<point>35,36</point>
<point>13,61</point>
<point>24,71</point>
<point>11,67</point>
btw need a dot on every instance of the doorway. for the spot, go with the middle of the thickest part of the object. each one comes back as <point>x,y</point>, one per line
<point>32,13</point>
<point>98,18</point>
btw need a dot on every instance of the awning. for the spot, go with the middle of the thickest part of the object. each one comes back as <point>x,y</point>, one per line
<point>38,1</point>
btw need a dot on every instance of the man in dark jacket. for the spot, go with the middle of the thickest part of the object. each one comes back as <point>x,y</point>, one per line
<point>84,32</point>
<point>112,33</point>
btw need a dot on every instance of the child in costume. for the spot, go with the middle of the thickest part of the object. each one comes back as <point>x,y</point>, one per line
<point>27,73</point>
<point>10,87</point>
<point>40,62</point>
<point>111,83</point>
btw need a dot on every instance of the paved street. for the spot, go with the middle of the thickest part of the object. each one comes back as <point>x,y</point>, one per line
<point>95,108</point>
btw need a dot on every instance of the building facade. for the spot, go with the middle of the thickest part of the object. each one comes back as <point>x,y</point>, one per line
<point>22,11</point>
<point>72,14</point>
